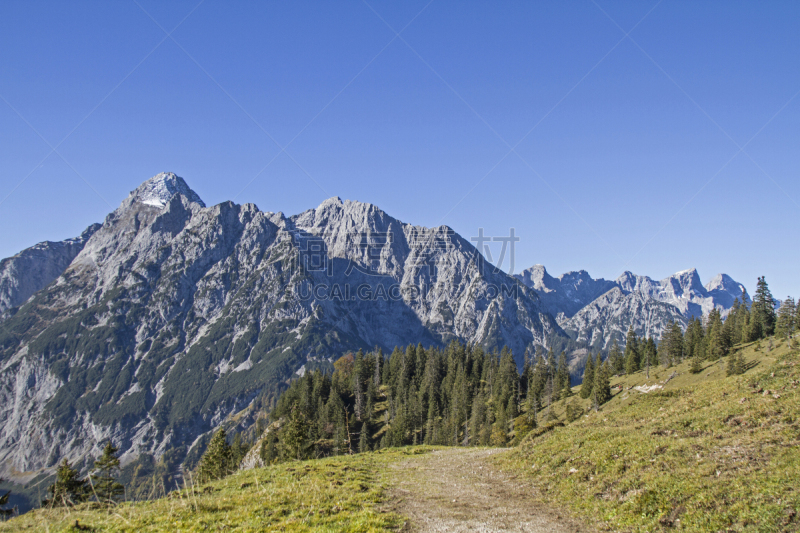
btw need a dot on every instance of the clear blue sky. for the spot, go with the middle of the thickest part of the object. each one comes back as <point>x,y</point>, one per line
<point>627,150</point>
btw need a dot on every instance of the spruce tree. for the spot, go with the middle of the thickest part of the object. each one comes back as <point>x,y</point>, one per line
<point>785,323</point>
<point>104,483</point>
<point>68,490</point>
<point>649,355</point>
<point>238,450</point>
<point>696,366</point>
<point>588,377</point>
<point>631,352</point>
<point>764,310</point>
<point>602,388</point>
<point>363,440</point>
<point>616,358</point>
<point>563,376</point>
<point>216,461</point>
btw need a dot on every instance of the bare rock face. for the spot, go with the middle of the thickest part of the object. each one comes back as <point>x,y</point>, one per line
<point>596,311</point>
<point>685,291</point>
<point>173,316</point>
<point>609,317</point>
<point>36,267</point>
<point>566,294</point>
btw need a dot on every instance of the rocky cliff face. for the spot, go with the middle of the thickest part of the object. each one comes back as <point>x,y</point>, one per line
<point>596,311</point>
<point>685,291</point>
<point>36,267</point>
<point>567,294</point>
<point>174,316</point>
<point>609,317</point>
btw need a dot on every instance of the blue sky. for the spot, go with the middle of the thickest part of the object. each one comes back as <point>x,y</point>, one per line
<point>673,147</point>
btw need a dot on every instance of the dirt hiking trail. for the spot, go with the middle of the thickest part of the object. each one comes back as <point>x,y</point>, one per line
<point>460,490</point>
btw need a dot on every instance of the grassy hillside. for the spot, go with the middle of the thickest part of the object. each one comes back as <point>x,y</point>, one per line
<point>697,452</point>
<point>703,452</point>
<point>336,494</point>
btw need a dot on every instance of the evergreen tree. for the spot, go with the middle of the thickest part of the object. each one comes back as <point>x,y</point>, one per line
<point>696,366</point>
<point>616,358</point>
<point>602,388</point>
<point>269,448</point>
<point>632,355</point>
<point>649,355</point>
<point>588,378</point>
<point>69,489</point>
<point>563,377</point>
<point>363,440</point>
<point>239,449</point>
<point>670,349</point>
<point>104,483</point>
<point>573,412</point>
<point>785,323</point>
<point>216,461</point>
<point>5,513</point>
<point>736,364</point>
<point>763,311</point>
<point>716,343</point>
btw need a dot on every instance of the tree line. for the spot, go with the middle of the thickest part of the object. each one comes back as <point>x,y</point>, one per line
<point>456,395</point>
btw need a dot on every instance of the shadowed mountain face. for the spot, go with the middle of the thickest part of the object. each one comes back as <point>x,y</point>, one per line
<point>173,316</point>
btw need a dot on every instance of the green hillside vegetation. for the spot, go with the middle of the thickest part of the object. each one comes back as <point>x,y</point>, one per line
<point>333,494</point>
<point>706,451</point>
<point>697,431</point>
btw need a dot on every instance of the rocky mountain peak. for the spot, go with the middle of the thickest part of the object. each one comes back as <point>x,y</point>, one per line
<point>686,280</point>
<point>159,190</point>
<point>537,278</point>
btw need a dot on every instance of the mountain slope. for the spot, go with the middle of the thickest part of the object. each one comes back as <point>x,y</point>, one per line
<point>175,316</point>
<point>609,317</point>
<point>34,268</point>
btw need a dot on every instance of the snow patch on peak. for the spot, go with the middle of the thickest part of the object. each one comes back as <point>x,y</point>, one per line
<point>159,190</point>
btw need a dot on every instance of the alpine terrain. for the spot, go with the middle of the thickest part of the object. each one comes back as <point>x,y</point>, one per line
<point>171,317</point>
<point>598,311</point>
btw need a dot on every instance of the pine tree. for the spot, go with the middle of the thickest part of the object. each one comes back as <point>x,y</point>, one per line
<point>602,387</point>
<point>104,484</point>
<point>763,311</point>
<point>785,323</point>
<point>238,449</point>
<point>363,441</point>
<point>588,378</point>
<point>69,489</point>
<point>649,355</point>
<point>696,366</point>
<point>563,376</point>
<point>716,343</point>
<point>736,364</point>
<point>573,412</point>
<point>632,355</point>
<point>216,461</point>
<point>615,357</point>
<point>269,448</point>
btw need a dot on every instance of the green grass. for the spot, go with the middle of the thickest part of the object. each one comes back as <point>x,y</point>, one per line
<point>706,452</point>
<point>335,494</point>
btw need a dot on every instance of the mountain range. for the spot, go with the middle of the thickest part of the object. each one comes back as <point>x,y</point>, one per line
<point>597,311</point>
<point>172,317</point>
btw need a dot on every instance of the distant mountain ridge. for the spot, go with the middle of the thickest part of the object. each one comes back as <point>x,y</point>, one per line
<point>596,311</point>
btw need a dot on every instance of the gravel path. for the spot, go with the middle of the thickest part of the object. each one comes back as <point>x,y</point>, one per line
<point>459,490</point>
